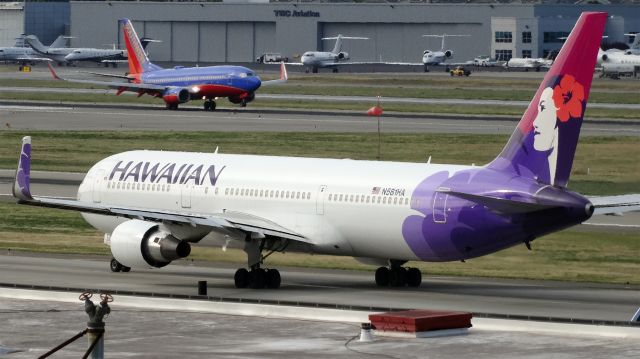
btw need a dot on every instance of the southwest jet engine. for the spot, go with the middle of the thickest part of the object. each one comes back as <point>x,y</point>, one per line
<point>141,244</point>
<point>174,96</point>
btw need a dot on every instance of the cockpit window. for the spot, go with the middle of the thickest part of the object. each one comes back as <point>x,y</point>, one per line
<point>247,74</point>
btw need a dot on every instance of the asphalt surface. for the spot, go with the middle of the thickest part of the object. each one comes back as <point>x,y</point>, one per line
<point>30,328</point>
<point>335,288</point>
<point>67,117</point>
<point>368,99</point>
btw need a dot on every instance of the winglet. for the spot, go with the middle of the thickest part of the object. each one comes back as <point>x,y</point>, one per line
<point>21,184</point>
<point>53,72</point>
<point>284,76</point>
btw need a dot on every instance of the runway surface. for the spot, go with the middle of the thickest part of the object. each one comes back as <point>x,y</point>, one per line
<point>23,116</point>
<point>335,288</point>
<point>368,99</point>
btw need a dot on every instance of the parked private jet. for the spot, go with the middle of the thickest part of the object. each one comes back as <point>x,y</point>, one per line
<point>314,60</point>
<point>154,205</point>
<point>438,57</point>
<point>103,56</point>
<point>537,63</point>
<point>22,53</point>
<point>182,84</point>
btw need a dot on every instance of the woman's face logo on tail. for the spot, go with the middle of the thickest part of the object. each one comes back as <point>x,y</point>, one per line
<point>544,126</point>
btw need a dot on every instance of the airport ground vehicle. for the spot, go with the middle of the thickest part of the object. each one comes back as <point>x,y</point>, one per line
<point>460,71</point>
<point>271,57</point>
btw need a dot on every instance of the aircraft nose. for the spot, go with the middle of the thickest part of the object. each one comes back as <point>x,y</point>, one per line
<point>254,83</point>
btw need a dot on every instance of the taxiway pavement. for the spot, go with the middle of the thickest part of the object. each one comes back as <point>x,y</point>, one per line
<point>334,288</point>
<point>83,117</point>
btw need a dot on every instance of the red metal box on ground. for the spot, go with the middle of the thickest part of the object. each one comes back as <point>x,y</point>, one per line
<point>412,321</point>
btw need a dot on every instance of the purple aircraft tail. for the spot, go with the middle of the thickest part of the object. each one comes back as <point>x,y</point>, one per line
<point>544,143</point>
<point>21,184</point>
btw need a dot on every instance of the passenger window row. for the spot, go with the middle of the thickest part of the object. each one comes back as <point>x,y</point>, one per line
<point>112,185</point>
<point>266,193</point>
<point>374,199</point>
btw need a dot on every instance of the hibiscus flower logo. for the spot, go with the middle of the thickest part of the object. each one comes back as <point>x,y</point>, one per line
<point>568,97</point>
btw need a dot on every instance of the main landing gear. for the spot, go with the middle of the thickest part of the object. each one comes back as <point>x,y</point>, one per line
<point>397,276</point>
<point>256,277</point>
<point>209,105</point>
<point>171,106</point>
<point>118,267</point>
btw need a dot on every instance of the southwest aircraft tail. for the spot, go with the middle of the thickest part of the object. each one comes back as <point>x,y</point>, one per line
<point>137,57</point>
<point>544,143</point>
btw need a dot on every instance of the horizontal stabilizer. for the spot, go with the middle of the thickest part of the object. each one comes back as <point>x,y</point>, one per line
<point>507,206</point>
<point>616,204</point>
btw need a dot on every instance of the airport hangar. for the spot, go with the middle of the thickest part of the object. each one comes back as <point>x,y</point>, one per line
<point>203,32</point>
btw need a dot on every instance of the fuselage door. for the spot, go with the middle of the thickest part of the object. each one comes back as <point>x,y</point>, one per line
<point>185,196</point>
<point>322,191</point>
<point>440,205</point>
<point>96,191</point>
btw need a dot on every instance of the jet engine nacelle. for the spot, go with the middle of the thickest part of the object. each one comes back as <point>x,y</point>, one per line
<point>238,99</point>
<point>343,56</point>
<point>448,53</point>
<point>142,244</point>
<point>176,95</point>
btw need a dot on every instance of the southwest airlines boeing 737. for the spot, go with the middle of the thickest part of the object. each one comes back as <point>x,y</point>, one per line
<point>153,205</point>
<point>182,84</point>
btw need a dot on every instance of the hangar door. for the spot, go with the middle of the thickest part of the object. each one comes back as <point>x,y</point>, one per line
<point>194,41</point>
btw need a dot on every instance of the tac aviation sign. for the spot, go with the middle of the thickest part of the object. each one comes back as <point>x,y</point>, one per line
<point>296,13</point>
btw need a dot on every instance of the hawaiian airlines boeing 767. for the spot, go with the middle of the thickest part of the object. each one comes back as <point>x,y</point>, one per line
<point>154,205</point>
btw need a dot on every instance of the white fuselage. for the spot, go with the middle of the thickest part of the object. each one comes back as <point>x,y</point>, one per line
<point>433,57</point>
<point>17,53</point>
<point>619,58</point>
<point>320,58</point>
<point>90,54</point>
<point>528,62</point>
<point>343,207</point>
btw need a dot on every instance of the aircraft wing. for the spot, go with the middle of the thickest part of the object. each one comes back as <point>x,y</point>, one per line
<point>226,221</point>
<point>284,76</point>
<point>126,77</point>
<point>616,205</point>
<point>120,86</point>
<point>32,58</point>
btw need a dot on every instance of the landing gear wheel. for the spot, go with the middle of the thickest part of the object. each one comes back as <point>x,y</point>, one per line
<point>115,265</point>
<point>241,278</point>
<point>273,279</point>
<point>126,269</point>
<point>314,70</point>
<point>257,278</point>
<point>209,105</point>
<point>172,106</point>
<point>398,277</point>
<point>414,277</point>
<point>243,103</point>
<point>382,276</point>
<point>335,71</point>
